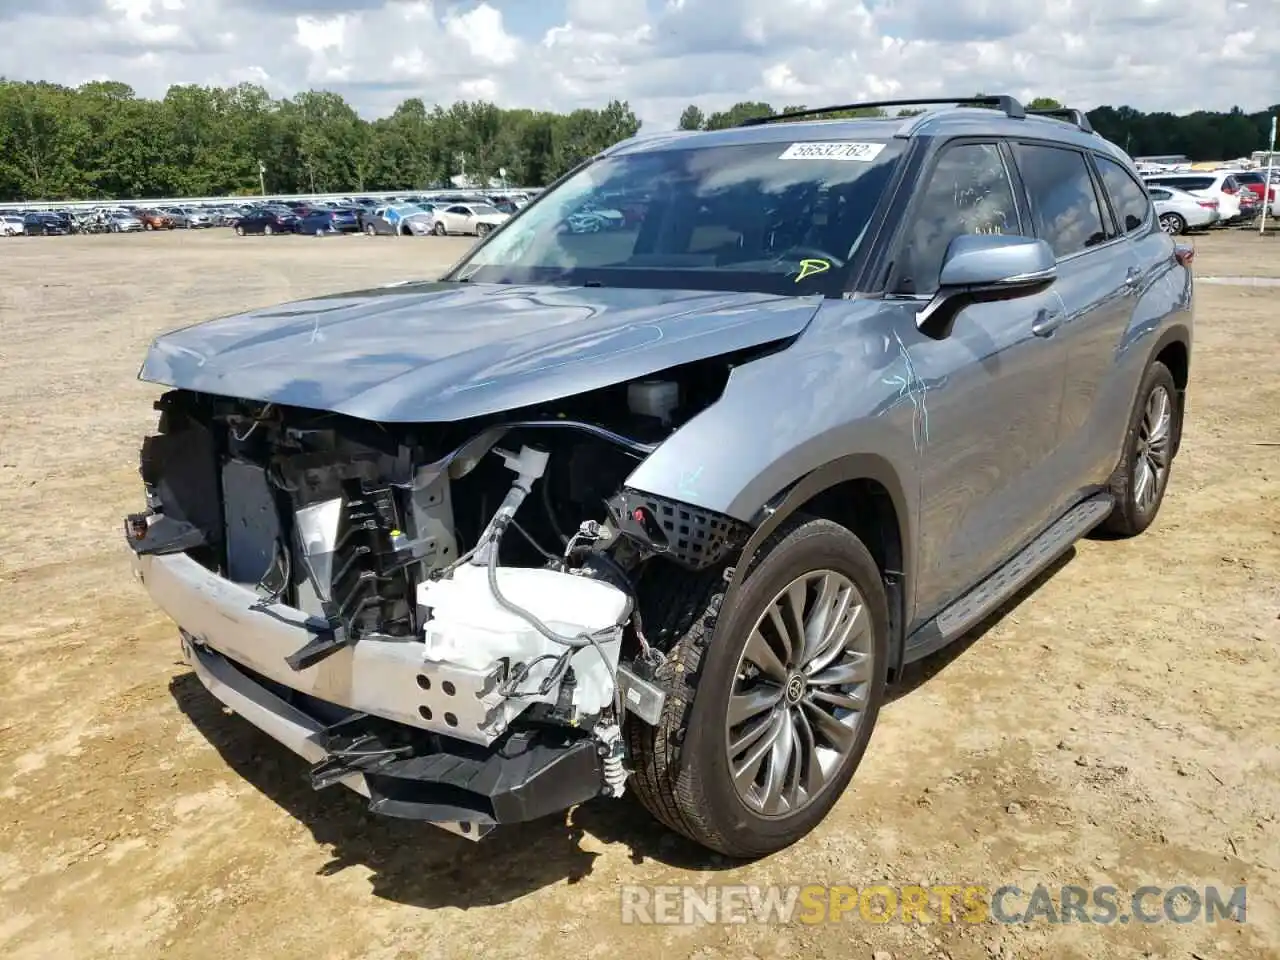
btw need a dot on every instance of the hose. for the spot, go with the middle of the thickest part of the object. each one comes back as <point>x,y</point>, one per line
<point>575,643</point>
<point>535,544</point>
<point>550,509</point>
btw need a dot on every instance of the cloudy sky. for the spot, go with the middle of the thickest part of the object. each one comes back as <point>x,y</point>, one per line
<point>660,55</point>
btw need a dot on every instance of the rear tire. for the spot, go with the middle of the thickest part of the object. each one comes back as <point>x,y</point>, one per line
<point>267,230</point>
<point>1155,429</point>
<point>1173,224</point>
<point>369,229</point>
<point>239,230</point>
<point>684,767</point>
<point>440,230</point>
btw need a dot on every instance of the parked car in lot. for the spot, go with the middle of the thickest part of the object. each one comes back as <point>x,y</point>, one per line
<point>474,219</point>
<point>1217,185</point>
<point>190,218</point>
<point>11,225</point>
<point>225,216</point>
<point>398,220</point>
<point>123,223</point>
<point>265,222</point>
<point>1255,182</point>
<point>155,220</point>
<point>1179,211</point>
<point>664,509</point>
<point>319,222</point>
<point>45,224</point>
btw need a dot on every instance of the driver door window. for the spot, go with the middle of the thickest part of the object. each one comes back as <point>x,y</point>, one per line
<point>968,191</point>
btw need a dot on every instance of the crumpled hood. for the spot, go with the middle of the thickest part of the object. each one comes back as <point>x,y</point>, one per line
<point>423,352</point>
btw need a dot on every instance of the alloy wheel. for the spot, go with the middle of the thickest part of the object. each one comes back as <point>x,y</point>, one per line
<point>1151,460</point>
<point>799,693</point>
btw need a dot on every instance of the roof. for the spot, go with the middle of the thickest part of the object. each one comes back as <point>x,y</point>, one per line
<point>948,121</point>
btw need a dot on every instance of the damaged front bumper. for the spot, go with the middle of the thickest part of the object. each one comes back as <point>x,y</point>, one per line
<point>370,715</point>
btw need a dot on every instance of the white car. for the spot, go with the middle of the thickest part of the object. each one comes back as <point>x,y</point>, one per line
<point>11,226</point>
<point>1218,185</point>
<point>1179,211</point>
<point>473,219</point>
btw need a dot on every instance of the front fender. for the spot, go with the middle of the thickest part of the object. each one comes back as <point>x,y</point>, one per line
<point>788,427</point>
<point>782,417</point>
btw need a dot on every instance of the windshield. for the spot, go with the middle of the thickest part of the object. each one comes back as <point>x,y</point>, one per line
<point>762,217</point>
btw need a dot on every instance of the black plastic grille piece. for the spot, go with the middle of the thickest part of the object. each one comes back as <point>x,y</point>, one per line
<point>692,536</point>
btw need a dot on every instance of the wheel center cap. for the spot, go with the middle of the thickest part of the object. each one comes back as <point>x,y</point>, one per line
<point>795,688</point>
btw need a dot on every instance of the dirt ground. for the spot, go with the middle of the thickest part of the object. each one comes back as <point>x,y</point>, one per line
<point>1119,724</point>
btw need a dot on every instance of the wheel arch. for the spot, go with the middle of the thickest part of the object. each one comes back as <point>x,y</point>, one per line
<point>863,493</point>
<point>1173,349</point>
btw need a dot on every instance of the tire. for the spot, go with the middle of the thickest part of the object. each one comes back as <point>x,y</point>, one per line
<point>440,230</point>
<point>239,230</point>
<point>370,230</point>
<point>682,766</point>
<point>147,225</point>
<point>1173,224</point>
<point>482,230</point>
<point>267,229</point>
<point>1135,507</point>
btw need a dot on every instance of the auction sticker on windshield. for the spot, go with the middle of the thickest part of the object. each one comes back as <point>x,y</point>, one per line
<point>837,150</point>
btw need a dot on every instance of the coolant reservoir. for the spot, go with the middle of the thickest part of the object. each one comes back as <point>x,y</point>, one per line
<point>468,628</point>
<point>654,398</point>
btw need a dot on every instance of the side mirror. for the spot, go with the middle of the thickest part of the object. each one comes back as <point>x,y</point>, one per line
<point>980,268</point>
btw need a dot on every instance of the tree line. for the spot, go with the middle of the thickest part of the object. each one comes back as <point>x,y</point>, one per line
<point>101,140</point>
<point>1203,135</point>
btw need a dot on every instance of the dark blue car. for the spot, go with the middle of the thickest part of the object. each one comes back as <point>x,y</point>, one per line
<point>319,222</point>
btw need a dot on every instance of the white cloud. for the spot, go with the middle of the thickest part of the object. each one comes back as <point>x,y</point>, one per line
<point>481,32</point>
<point>663,54</point>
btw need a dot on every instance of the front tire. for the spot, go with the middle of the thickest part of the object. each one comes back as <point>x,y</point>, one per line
<point>369,229</point>
<point>440,230</point>
<point>1142,476</point>
<point>267,230</point>
<point>763,729</point>
<point>239,230</point>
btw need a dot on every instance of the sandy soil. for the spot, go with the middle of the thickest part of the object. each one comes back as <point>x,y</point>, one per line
<point>1117,725</point>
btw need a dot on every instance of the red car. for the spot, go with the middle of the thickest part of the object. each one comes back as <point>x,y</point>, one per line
<point>1255,182</point>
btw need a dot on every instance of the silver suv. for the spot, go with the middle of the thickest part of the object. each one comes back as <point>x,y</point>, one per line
<point>666,506</point>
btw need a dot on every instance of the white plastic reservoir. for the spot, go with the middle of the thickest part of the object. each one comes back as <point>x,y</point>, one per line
<point>468,628</point>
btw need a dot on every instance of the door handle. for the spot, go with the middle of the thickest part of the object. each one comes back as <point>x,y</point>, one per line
<point>1131,279</point>
<point>1046,322</point>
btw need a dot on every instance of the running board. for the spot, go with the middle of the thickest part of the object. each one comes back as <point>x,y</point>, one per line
<point>984,599</point>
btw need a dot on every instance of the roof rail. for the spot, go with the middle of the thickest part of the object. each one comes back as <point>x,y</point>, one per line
<point>1070,114</point>
<point>1011,107</point>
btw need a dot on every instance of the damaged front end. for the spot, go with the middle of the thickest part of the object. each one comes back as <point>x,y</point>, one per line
<point>444,616</point>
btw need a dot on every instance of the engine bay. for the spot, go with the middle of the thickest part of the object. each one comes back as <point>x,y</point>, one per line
<point>508,549</point>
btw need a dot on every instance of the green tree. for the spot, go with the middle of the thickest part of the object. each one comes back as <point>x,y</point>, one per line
<point>692,118</point>
<point>101,140</point>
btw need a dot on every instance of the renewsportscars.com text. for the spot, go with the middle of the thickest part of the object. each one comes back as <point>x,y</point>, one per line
<point>937,903</point>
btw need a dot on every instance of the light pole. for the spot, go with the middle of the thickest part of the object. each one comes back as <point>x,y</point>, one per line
<point>1267,187</point>
<point>262,177</point>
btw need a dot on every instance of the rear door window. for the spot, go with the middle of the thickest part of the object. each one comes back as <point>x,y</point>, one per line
<point>1186,183</point>
<point>1128,199</point>
<point>1064,204</point>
